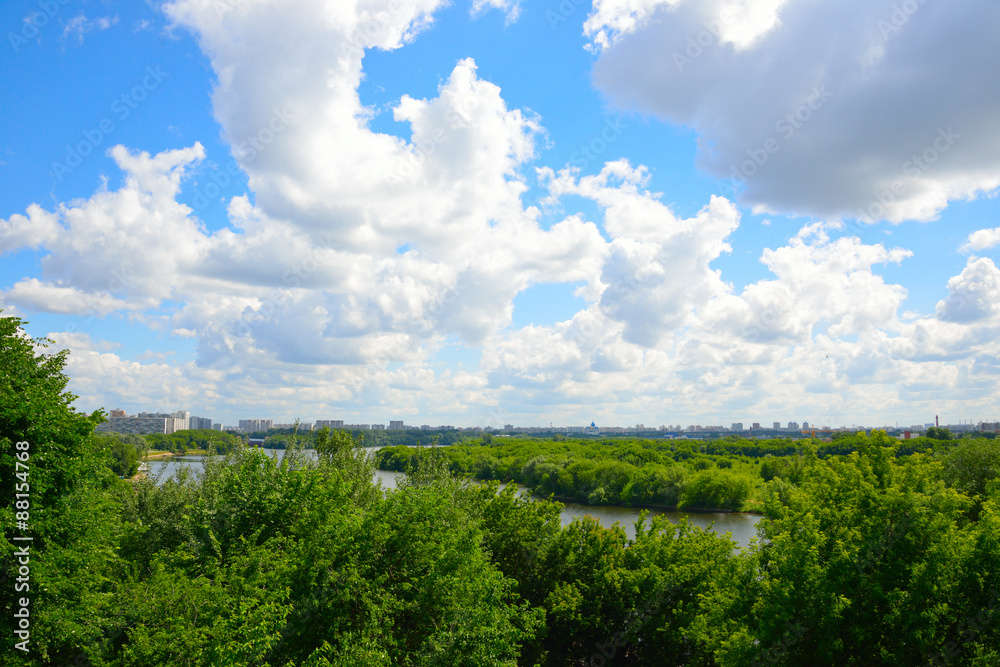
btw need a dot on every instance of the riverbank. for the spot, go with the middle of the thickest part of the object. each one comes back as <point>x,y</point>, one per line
<point>659,508</point>
<point>166,455</point>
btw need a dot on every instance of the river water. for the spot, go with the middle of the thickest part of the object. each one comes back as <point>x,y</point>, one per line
<point>742,527</point>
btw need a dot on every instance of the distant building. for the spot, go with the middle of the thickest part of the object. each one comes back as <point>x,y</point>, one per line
<point>171,424</point>
<point>143,424</point>
<point>737,426</point>
<point>329,423</point>
<point>793,426</point>
<point>117,413</point>
<point>378,427</point>
<point>182,421</point>
<point>396,425</point>
<point>254,425</point>
<point>777,426</point>
<point>195,423</point>
<point>805,426</point>
<point>756,426</point>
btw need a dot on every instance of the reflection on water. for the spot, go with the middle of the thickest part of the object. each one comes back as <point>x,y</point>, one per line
<point>742,527</point>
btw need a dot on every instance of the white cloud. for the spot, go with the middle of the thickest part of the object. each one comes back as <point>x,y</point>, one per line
<point>738,23</point>
<point>80,25</point>
<point>510,8</point>
<point>973,295</point>
<point>982,239</point>
<point>814,106</point>
<point>657,271</point>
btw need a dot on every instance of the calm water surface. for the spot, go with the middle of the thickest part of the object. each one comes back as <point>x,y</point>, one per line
<point>742,527</point>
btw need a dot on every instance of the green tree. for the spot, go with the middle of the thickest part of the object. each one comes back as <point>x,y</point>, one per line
<point>124,455</point>
<point>939,433</point>
<point>716,488</point>
<point>72,508</point>
<point>971,465</point>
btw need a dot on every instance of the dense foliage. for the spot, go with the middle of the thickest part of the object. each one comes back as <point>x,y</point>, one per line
<point>610,472</point>
<point>724,474</point>
<point>868,558</point>
<point>126,451</point>
<point>193,439</point>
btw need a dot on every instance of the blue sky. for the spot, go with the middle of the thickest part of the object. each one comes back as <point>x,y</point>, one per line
<point>471,212</point>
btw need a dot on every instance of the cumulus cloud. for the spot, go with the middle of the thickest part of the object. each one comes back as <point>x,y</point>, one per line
<point>812,108</point>
<point>982,239</point>
<point>973,295</point>
<point>360,259</point>
<point>657,271</point>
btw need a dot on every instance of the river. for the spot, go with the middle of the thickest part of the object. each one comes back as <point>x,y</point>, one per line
<point>742,527</point>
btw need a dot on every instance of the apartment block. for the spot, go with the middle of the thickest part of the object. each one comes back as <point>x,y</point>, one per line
<point>143,424</point>
<point>253,425</point>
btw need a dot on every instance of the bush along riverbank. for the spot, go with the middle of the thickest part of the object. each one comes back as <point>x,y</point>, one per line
<point>629,473</point>
<point>731,475</point>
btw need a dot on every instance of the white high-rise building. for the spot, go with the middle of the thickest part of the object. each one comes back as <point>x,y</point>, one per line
<point>254,425</point>
<point>195,423</point>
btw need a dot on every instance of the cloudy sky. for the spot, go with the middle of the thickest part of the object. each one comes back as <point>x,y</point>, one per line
<point>490,211</point>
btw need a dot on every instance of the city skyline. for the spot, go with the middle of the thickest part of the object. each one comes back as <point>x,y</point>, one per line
<point>264,424</point>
